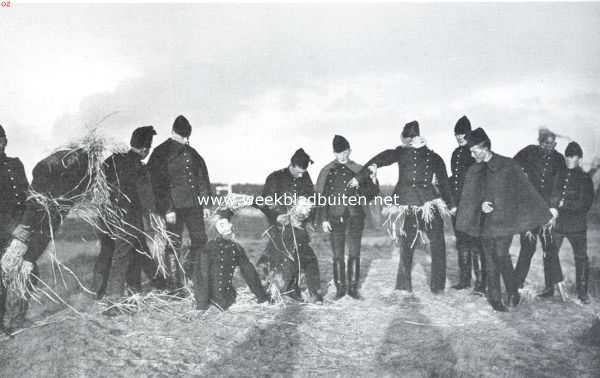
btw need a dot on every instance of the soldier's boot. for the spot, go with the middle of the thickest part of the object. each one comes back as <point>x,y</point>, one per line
<point>464,267</point>
<point>509,278</point>
<point>339,278</point>
<point>582,272</point>
<point>353,277</point>
<point>479,272</point>
<point>19,308</point>
<point>548,291</point>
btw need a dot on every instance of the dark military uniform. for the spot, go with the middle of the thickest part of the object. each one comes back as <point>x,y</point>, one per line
<point>225,255</point>
<point>468,248</point>
<point>541,168</point>
<point>280,184</point>
<point>572,196</point>
<point>13,186</point>
<point>347,220</point>
<point>181,184</point>
<point>124,252</point>
<point>416,170</point>
<point>286,255</point>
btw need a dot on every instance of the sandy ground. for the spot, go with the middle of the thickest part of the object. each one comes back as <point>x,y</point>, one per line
<point>386,334</point>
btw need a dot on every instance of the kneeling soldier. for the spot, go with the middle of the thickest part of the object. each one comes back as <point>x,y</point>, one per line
<point>224,256</point>
<point>572,198</point>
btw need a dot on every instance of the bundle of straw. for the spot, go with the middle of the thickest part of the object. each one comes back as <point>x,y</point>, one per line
<point>395,217</point>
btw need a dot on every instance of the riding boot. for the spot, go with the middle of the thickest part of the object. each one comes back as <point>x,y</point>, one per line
<point>339,277</point>
<point>479,272</point>
<point>353,277</point>
<point>582,271</point>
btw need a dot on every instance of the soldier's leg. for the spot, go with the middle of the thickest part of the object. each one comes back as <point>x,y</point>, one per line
<point>478,260</point>
<point>338,246</point>
<point>463,253</point>
<point>102,265</point>
<point>172,262</point>
<point>198,259</point>
<point>505,267</point>
<point>310,265</point>
<point>356,225</point>
<point>494,293</point>
<point>150,267</point>
<point>407,244</point>
<point>582,265</point>
<point>435,233</point>
<point>552,271</point>
<point>528,245</point>
<point>117,276</point>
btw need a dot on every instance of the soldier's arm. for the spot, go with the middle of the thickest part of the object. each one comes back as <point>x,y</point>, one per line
<point>249,274</point>
<point>443,184</point>
<point>206,187</point>
<point>383,159</point>
<point>522,157</point>
<point>160,181</point>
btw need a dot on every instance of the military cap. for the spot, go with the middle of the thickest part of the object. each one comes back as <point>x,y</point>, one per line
<point>463,126</point>
<point>182,126</point>
<point>574,149</point>
<point>340,144</point>
<point>142,137</point>
<point>301,159</point>
<point>411,130</point>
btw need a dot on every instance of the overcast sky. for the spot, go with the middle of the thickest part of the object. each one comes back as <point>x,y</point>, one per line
<point>259,81</point>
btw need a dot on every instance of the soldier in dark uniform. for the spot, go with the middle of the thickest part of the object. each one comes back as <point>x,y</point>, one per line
<point>345,221</point>
<point>124,252</point>
<point>280,193</point>
<point>225,254</point>
<point>418,168</point>
<point>63,177</point>
<point>182,189</point>
<point>540,163</point>
<point>498,201</point>
<point>285,185</point>
<point>468,247</point>
<point>13,186</point>
<point>572,198</point>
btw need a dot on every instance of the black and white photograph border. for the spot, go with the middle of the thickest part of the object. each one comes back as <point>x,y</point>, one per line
<point>306,189</point>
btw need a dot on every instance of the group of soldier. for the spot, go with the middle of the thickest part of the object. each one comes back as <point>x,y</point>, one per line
<point>538,194</point>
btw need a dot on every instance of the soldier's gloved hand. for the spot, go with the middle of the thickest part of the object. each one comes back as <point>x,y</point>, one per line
<point>13,256</point>
<point>283,219</point>
<point>554,213</point>
<point>171,217</point>
<point>26,268</point>
<point>487,207</point>
<point>22,233</point>
<point>326,226</point>
<point>453,211</point>
<point>353,183</point>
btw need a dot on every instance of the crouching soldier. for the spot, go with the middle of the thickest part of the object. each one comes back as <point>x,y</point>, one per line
<point>338,182</point>
<point>13,186</point>
<point>572,198</point>
<point>497,202</point>
<point>59,180</point>
<point>124,252</point>
<point>224,255</point>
